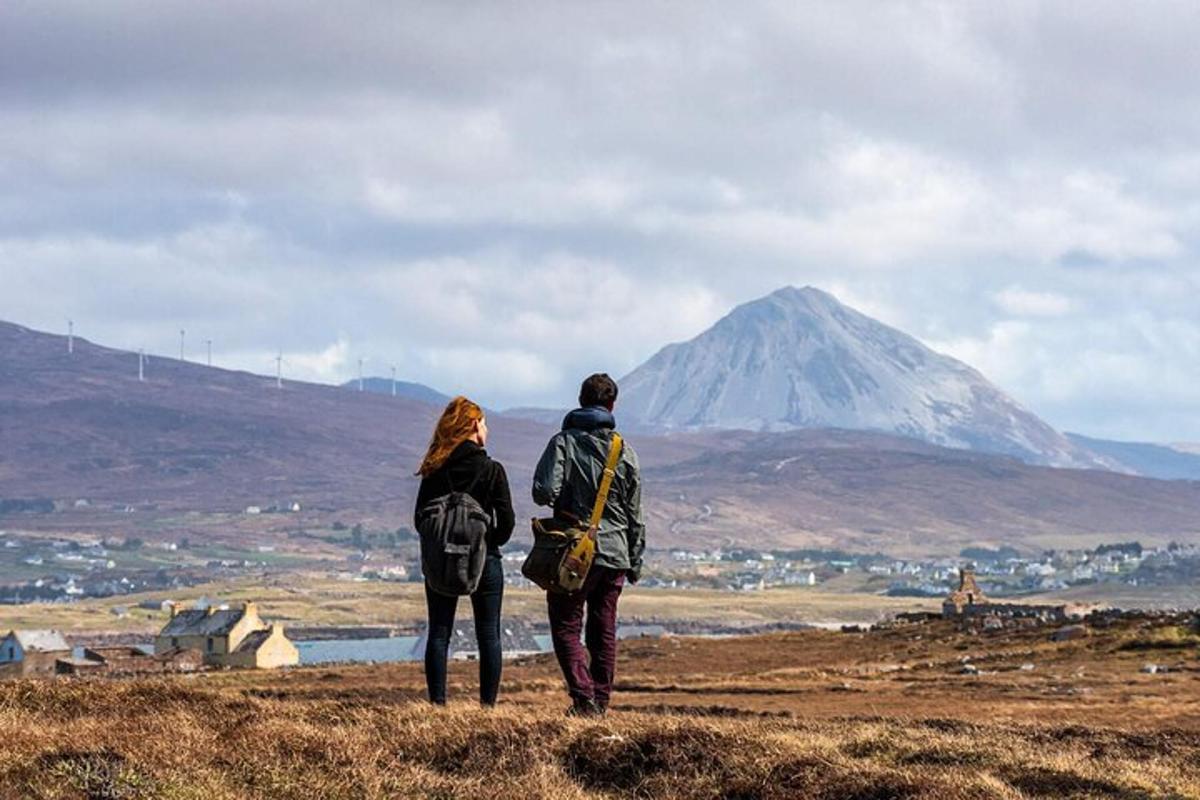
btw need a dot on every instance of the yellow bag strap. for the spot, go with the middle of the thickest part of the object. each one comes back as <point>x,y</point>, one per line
<point>610,472</point>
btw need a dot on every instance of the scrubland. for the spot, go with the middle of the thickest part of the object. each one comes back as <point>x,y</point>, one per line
<point>815,714</point>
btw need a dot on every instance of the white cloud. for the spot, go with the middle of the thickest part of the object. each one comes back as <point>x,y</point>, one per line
<point>518,196</point>
<point>327,365</point>
<point>1024,303</point>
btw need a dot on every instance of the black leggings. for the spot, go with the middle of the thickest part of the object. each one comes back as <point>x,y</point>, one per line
<point>486,603</point>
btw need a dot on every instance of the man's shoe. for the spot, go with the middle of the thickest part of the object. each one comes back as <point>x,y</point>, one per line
<point>585,708</point>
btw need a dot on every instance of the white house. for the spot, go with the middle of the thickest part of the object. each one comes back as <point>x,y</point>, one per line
<point>1083,573</point>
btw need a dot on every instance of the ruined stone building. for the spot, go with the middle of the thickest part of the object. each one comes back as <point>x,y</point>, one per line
<point>968,601</point>
<point>963,599</point>
<point>119,660</point>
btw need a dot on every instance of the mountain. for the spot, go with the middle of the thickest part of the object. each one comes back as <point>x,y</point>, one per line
<point>546,416</point>
<point>862,490</point>
<point>191,447</point>
<point>413,391</point>
<point>1150,460</point>
<point>800,359</point>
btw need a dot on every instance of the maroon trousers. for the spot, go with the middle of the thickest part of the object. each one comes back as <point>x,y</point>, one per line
<point>599,594</point>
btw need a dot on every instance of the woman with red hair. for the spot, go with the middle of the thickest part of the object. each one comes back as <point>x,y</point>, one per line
<point>457,462</point>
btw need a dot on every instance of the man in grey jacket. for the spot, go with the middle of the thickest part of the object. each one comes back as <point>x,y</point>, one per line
<point>567,479</point>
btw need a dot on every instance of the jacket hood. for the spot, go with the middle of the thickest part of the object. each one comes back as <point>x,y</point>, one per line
<point>589,418</point>
<point>465,450</point>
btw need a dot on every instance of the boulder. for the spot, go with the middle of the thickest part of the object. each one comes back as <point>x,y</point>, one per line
<point>1069,633</point>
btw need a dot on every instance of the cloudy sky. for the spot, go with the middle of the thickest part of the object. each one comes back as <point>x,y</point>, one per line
<point>498,198</point>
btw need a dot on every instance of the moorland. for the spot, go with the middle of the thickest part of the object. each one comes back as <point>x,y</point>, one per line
<point>922,710</point>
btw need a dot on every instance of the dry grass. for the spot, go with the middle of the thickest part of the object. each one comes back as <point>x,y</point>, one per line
<point>814,714</point>
<point>171,739</point>
<point>317,600</point>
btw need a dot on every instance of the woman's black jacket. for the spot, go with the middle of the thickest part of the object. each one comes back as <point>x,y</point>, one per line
<point>469,468</point>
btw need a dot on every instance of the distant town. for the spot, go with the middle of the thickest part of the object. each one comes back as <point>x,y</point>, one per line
<point>62,568</point>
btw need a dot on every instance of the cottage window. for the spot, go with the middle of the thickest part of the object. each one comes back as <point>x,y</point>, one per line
<point>210,644</point>
<point>174,641</point>
<point>12,652</point>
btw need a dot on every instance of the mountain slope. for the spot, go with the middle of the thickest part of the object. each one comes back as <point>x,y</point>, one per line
<point>860,490</point>
<point>413,391</point>
<point>1149,460</point>
<point>800,359</point>
<point>200,438</point>
<point>197,439</point>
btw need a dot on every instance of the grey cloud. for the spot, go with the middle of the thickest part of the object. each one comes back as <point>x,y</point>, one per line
<point>484,192</point>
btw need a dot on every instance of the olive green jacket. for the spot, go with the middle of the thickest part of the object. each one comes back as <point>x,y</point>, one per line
<point>568,476</point>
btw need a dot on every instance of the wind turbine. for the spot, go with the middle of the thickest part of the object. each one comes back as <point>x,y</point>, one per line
<point>360,373</point>
<point>181,335</point>
<point>70,336</point>
<point>393,380</point>
<point>141,366</point>
<point>208,344</point>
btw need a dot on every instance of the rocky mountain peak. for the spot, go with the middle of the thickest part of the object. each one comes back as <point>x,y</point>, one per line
<point>799,358</point>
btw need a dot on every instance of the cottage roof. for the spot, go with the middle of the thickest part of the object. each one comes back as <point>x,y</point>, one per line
<point>253,641</point>
<point>80,662</point>
<point>41,641</point>
<point>198,622</point>
<point>179,654</point>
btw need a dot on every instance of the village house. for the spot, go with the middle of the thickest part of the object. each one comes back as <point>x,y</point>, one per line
<point>32,652</point>
<point>227,637</point>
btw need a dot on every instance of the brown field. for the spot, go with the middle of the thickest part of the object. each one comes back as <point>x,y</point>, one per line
<point>304,599</point>
<point>815,714</point>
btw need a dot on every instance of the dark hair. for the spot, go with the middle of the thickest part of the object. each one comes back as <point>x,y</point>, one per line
<point>598,390</point>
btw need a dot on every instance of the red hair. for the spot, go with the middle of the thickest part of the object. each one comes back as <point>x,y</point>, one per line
<point>456,425</point>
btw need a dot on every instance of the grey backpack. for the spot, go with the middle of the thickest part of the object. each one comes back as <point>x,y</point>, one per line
<point>453,530</point>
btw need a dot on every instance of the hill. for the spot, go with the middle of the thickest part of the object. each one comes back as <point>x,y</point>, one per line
<point>191,441</point>
<point>800,359</point>
<point>190,437</point>
<point>413,391</point>
<point>1150,460</point>
<point>863,490</point>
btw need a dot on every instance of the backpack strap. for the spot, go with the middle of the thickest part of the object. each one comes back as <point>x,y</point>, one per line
<point>610,472</point>
<point>478,475</point>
